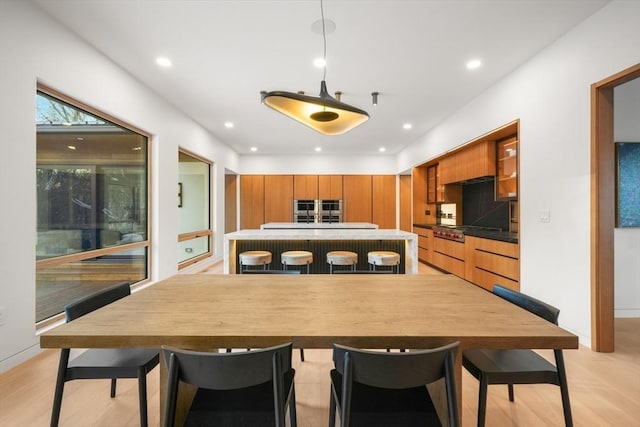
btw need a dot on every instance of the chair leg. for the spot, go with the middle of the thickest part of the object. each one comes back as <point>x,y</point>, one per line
<point>302,354</point>
<point>511,398</point>
<point>293,417</point>
<point>113,388</point>
<point>332,408</point>
<point>60,380</point>
<point>564,388</point>
<point>482,400</point>
<point>142,396</point>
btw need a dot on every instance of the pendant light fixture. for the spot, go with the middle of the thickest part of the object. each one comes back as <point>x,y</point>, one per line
<point>324,113</point>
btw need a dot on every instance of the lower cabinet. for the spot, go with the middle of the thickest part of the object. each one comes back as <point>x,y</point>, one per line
<point>425,244</point>
<point>449,255</point>
<point>484,262</point>
<point>491,262</point>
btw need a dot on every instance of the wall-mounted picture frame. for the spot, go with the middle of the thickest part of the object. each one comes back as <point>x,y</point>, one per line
<point>179,194</point>
<point>627,184</point>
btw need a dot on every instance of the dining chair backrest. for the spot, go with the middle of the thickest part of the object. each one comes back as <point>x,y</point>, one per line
<point>531,304</point>
<point>95,301</point>
<point>394,370</point>
<point>228,371</point>
<point>231,371</point>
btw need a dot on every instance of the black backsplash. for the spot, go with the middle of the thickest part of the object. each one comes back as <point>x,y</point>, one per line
<point>480,208</point>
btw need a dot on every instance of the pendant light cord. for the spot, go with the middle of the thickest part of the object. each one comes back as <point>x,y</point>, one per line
<point>324,40</point>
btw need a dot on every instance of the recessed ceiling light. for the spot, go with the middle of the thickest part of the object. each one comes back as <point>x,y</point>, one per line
<point>473,64</point>
<point>71,147</point>
<point>318,149</point>
<point>319,62</point>
<point>382,149</point>
<point>79,138</point>
<point>254,149</point>
<point>407,126</point>
<point>228,125</point>
<point>163,61</point>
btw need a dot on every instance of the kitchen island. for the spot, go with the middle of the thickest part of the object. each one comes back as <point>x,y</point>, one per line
<point>357,237</point>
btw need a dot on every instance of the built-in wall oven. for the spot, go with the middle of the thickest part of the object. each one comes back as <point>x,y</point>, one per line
<point>305,211</point>
<point>330,211</point>
<point>309,211</point>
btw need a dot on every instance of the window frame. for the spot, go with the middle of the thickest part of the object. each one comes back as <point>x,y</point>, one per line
<point>80,256</point>
<point>199,233</point>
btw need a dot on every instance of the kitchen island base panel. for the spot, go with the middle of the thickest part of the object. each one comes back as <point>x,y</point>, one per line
<point>320,248</point>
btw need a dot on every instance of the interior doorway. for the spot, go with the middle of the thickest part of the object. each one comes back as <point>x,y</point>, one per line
<point>603,208</point>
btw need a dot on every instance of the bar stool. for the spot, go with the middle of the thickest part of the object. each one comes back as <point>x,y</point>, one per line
<point>342,258</point>
<point>296,258</point>
<point>262,258</point>
<point>389,258</point>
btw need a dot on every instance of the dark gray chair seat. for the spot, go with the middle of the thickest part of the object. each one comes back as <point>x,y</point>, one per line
<point>104,363</point>
<point>517,366</point>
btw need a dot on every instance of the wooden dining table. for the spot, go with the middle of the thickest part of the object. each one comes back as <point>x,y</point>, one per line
<point>209,312</point>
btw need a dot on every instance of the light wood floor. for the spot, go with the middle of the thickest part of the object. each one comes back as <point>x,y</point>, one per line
<point>604,390</point>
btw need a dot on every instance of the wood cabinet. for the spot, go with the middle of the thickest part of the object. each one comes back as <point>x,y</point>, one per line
<point>357,200</point>
<point>473,161</point>
<point>420,206</point>
<point>449,256</point>
<point>425,244</point>
<point>251,201</point>
<point>405,202</point>
<point>383,199</point>
<point>278,198</point>
<point>490,262</point>
<point>507,168</point>
<point>330,187</point>
<point>305,187</point>
<point>432,184</point>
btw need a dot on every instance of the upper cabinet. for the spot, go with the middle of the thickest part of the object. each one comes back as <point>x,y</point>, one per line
<point>432,184</point>
<point>305,187</point>
<point>330,187</point>
<point>507,168</point>
<point>470,162</point>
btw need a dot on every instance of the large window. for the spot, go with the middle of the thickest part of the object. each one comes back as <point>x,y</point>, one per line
<point>194,213</point>
<point>92,198</point>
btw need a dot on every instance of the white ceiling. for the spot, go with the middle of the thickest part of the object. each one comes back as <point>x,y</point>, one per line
<point>412,52</point>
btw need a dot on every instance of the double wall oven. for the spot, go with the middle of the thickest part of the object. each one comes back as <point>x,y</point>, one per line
<point>317,211</point>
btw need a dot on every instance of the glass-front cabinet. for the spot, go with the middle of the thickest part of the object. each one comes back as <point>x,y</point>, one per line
<point>507,168</point>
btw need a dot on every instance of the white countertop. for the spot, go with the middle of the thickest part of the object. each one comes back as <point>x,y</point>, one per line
<point>321,234</point>
<point>333,225</point>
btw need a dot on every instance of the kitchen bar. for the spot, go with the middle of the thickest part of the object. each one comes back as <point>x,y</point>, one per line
<point>356,237</point>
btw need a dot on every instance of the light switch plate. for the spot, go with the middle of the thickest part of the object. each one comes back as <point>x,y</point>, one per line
<point>3,315</point>
<point>544,216</point>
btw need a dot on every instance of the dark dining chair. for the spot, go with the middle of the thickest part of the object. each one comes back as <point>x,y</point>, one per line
<point>518,366</point>
<point>252,388</point>
<point>373,388</point>
<point>104,363</point>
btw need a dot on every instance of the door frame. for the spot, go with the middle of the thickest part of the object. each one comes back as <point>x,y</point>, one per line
<point>603,181</point>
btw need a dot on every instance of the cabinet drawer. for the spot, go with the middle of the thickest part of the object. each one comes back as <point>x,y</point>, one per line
<point>423,255</point>
<point>423,242</point>
<point>449,247</point>
<point>498,247</point>
<point>497,264</point>
<point>447,263</point>
<point>422,231</point>
<point>487,279</point>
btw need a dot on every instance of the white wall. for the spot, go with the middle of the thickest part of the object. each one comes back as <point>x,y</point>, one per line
<point>550,94</point>
<point>627,240</point>
<point>34,48</point>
